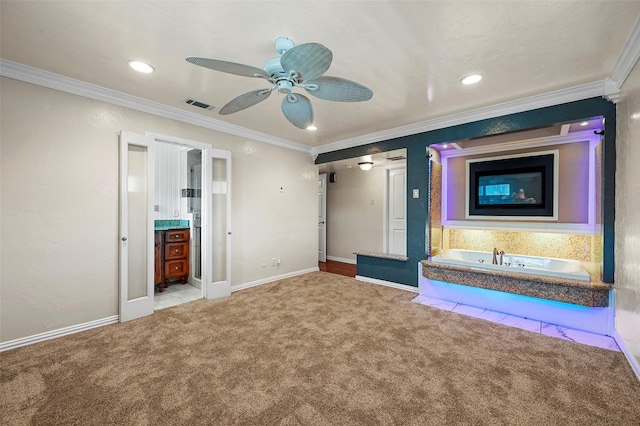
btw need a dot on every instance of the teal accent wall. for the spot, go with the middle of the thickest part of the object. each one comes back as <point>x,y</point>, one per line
<point>417,177</point>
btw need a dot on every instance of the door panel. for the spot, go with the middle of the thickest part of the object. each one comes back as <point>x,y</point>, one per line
<point>136,226</point>
<point>397,225</point>
<point>217,223</point>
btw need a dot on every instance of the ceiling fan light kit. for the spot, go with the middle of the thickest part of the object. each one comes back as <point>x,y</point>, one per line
<point>299,66</point>
<point>365,165</point>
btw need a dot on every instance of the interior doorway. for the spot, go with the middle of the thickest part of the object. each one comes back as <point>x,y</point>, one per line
<point>322,218</point>
<point>177,224</point>
<point>140,206</point>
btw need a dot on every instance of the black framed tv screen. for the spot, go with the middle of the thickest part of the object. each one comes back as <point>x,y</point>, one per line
<point>520,186</point>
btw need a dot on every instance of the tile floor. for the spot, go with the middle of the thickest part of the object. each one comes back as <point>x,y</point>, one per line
<point>552,330</point>
<point>175,294</point>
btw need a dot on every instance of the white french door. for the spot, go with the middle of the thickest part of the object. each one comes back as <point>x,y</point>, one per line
<point>137,159</point>
<point>216,223</point>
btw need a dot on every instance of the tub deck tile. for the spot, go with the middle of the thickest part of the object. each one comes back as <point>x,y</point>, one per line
<point>436,303</point>
<point>551,330</point>
<point>579,336</point>
<point>522,323</point>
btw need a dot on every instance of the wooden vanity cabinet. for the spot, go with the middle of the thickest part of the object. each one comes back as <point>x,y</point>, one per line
<point>172,257</point>
<point>157,258</point>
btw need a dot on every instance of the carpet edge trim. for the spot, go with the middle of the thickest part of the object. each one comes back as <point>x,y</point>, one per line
<point>60,332</point>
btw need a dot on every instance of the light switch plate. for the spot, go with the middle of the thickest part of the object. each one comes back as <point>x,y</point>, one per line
<point>416,193</point>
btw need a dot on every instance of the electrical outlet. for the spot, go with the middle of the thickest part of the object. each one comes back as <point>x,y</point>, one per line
<point>278,262</point>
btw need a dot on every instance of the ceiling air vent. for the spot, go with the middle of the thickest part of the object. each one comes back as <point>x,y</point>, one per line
<point>398,158</point>
<point>199,104</point>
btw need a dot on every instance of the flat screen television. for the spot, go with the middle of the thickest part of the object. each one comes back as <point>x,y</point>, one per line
<point>514,186</point>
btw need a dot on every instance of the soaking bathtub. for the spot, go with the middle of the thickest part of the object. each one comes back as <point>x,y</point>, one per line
<point>548,266</point>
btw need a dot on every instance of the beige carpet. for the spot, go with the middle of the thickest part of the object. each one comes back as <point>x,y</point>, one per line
<point>314,350</point>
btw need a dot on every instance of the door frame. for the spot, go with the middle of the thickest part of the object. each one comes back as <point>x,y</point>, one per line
<point>209,291</point>
<point>322,233</point>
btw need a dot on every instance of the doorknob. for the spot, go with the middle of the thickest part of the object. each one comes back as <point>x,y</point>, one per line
<point>321,223</point>
<point>124,238</point>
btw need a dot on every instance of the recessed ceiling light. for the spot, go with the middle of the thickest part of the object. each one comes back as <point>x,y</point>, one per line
<point>471,79</point>
<point>141,67</point>
<point>444,145</point>
<point>584,123</point>
<point>312,128</point>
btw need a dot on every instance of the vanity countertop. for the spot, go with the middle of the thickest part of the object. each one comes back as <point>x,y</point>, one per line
<point>164,225</point>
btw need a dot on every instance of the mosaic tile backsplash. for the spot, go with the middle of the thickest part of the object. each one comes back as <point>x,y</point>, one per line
<point>585,248</point>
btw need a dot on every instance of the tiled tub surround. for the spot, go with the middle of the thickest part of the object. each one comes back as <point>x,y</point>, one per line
<point>577,292</point>
<point>578,304</point>
<point>581,247</point>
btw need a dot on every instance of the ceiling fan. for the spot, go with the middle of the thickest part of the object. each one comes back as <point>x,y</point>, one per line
<point>301,66</point>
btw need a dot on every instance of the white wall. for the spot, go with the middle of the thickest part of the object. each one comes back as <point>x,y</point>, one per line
<point>355,209</point>
<point>59,206</point>
<point>627,231</point>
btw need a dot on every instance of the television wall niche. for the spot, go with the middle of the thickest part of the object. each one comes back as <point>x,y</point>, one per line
<point>513,187</point>
<point>573,183</point>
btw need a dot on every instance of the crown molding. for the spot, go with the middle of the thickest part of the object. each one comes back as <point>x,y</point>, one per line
<point>628,57</point>
<point>583,136</point>
<point>39,77</point>
<point>557,97</point>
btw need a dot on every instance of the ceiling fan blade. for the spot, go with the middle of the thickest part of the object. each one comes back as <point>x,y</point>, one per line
<point>244,101</point>
<point>310,60</point>
<point>228,67</point>
<point>298,110</point>
<point>338,89</point>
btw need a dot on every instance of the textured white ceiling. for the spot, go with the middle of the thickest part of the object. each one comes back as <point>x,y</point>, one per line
<point>412,54</point>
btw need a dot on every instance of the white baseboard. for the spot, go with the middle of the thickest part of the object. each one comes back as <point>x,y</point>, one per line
<point>342,259</point>
<point>36,338</point>
<point>272,279</point>
<point>387,283</point>
<point>625,350</point>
